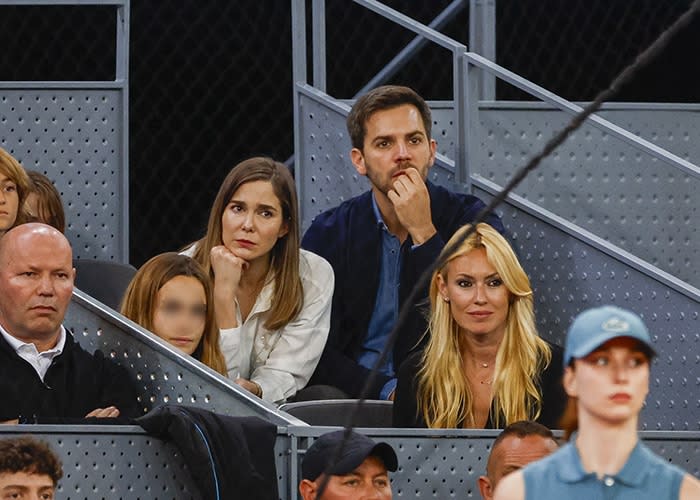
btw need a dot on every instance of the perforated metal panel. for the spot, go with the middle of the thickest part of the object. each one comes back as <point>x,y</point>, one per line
<point>447,464</point>
<point>569,271</point>
<point>75,138</point>
<point>682,449</point>
<point>599,182</point>
<point>160,373</point>
<point>115,462</point>
<point>75,132</point>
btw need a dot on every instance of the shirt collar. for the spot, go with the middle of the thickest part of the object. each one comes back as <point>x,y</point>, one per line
<point>16,343</point>
<point>632,473</point>
<point>570,467</point>
<point>636,467</point>
<point>378,213</point>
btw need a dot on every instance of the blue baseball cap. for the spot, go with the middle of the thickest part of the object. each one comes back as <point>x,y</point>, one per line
<point>594,327</point>
<point>356,449</point>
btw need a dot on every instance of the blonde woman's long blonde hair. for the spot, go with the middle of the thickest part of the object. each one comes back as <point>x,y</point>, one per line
<point>444,395</point>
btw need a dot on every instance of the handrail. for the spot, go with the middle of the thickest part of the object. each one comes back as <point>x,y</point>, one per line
<point>411,24</point>
<point>162,348</point>
<point>465,94</point>
<point>586,236</point>
<point>28,3</point>
<point>413,46</point>
<point>571,108</point>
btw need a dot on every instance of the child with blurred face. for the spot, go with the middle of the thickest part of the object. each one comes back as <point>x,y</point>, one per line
<point>171,296</point>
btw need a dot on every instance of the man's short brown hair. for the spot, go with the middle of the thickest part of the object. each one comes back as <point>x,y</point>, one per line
<point>31,456</point>
<point>379,99</point>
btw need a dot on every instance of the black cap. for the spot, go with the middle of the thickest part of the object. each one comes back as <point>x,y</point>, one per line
<point>356,449</point>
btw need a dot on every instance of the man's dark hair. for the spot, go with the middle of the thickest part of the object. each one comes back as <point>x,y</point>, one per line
<point>521,429</point>
<point>379,99</point>
<point>26,454</point>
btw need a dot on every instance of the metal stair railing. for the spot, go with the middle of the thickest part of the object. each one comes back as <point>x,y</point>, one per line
<point>468,69</point>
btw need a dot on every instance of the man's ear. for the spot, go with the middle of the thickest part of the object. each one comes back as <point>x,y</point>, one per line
<point>358,159</point>
<point>433,151</point>
<point>485,488</point>
<point>307,489</point>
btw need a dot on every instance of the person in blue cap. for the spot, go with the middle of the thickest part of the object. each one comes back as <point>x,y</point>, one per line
<point>607,357</point>
<point>359,471</point>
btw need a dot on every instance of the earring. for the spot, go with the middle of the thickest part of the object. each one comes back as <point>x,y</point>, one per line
<point>446,299</point>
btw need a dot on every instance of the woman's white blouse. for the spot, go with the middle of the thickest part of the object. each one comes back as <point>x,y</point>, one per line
<point>282,361</point>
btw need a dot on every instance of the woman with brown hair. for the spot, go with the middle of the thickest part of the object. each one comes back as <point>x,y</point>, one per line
<point>484,364</point>
<point>172,296</point>
<point>43,203</point>
<point>14,186</point>
<point>272,300</point>
<point>606,376</point>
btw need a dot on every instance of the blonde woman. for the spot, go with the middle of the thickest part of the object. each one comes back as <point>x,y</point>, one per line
<point>14,187</point>
<point>484,365</point>
<point>172,296</point>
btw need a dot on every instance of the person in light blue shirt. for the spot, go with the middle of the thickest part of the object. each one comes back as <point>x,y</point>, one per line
<point>606,375</point>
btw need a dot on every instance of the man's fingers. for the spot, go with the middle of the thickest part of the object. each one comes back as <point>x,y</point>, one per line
<point>109,412</point>
<point>413,175</point>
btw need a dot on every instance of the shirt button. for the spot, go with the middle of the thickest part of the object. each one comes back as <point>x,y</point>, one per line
<point>609,481</point>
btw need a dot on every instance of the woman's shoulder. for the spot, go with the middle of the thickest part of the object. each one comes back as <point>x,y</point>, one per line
<point>314,267</point>
<point>190,249</point>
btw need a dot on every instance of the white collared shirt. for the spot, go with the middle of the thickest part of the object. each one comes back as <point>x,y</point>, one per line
<point>282,361</point>
<point>40,361</point>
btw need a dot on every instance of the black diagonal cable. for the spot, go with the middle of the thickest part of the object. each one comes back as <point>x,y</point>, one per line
<point>627,75</point>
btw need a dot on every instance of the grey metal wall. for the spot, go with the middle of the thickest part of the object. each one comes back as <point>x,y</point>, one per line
<point>76,133</point>
<point>447,464</point>
<point>599,182</point>
<point>123,462</point>
<point>75,137</point>
<point>161,373</point>
<point>115,462</point>
<point>572,270</point>
<point>571,267</point>
<point>595,181</point>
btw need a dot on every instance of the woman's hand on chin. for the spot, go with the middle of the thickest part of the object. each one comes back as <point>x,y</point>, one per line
<point>227,267</point>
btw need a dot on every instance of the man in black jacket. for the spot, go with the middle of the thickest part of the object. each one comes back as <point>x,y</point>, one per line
<point>44,373</point>
<point>380,242</point>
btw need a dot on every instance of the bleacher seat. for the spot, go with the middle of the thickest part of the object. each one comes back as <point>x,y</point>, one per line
<point>103,280</point>
<point>335,412</point>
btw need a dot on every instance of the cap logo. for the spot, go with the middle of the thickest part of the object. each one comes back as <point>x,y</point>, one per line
<point>616,325</point>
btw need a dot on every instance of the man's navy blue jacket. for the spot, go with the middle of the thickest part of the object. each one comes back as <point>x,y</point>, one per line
<point>349,238</point>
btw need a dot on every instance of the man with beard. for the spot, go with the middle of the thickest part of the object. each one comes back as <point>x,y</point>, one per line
<point>380,242</point>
